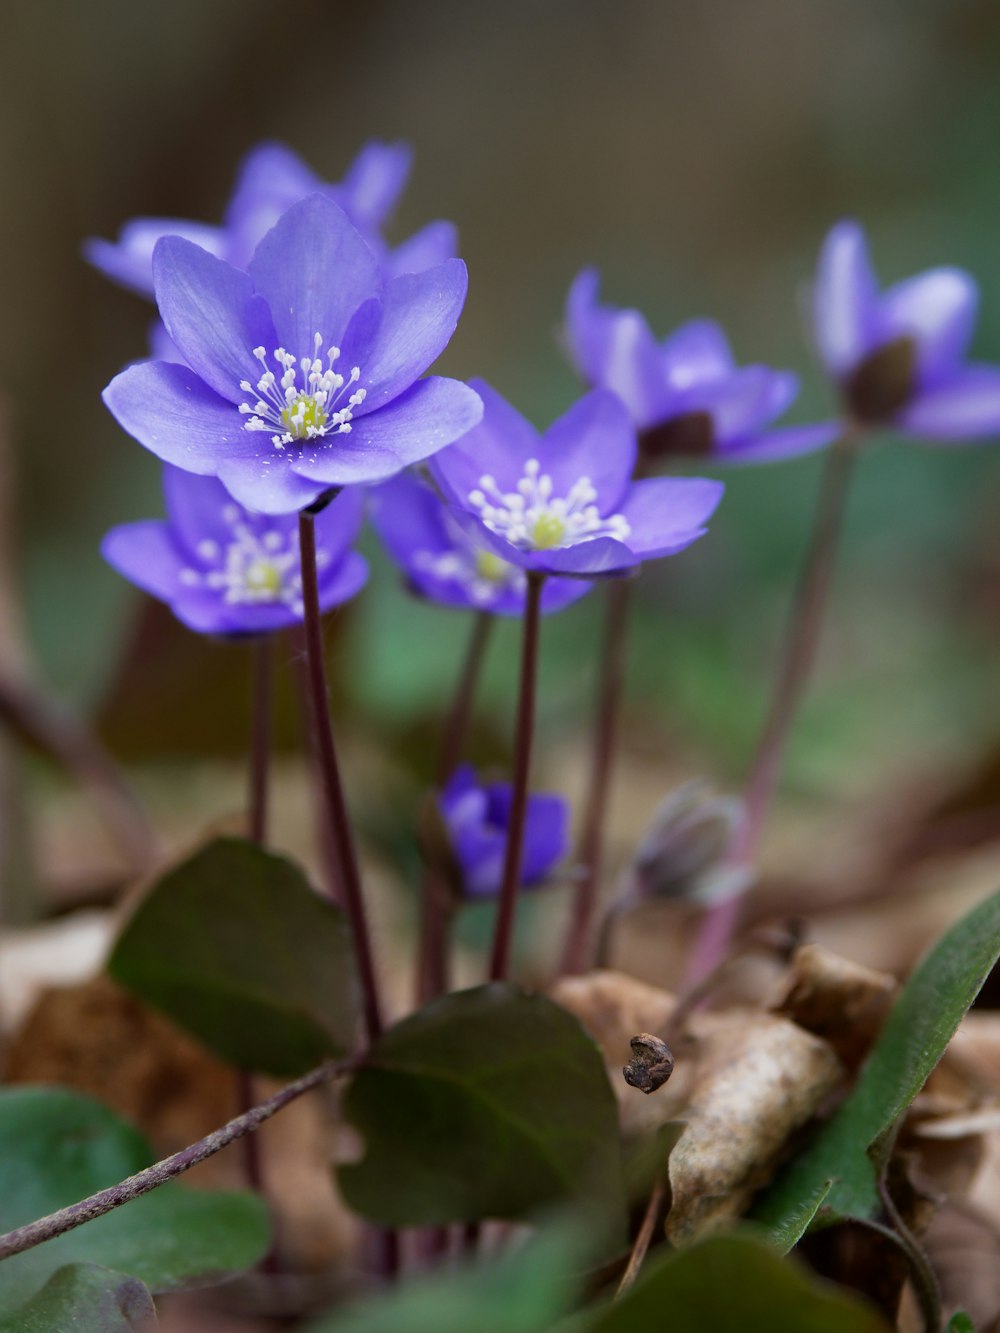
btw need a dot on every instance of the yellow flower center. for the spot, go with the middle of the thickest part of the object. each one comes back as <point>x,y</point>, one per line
<point>304,418</point>
<point>264,579</point>
<point>491,568</point>
<point>549,531</point>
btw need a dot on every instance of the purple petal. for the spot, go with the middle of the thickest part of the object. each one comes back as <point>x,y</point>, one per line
<point>161,346</point>
<point>265,481</point>
<point>419,314</point>
<point>938,309</point>
<point>546,836</point>
<point>786,442</point>
<point>964,407</point>
<point>425,418</point>
<point>426,248</point>
<point>374,181</point>
<point>195,508</point>
<point>696,353</point>
<point>129,260</point>
<point>616,350</point>
<point>408,518</point>
<point>314,269</point>
<point>271,179</point>
<point>337,526</point>
<point>746,400</point>
<point>212,314</point>
<point>499,446</point>
<point>145,554</point>
<point>342,580</point>
<point>172,412</point>
<point>844,299</point>
<point>665,514</point>
<point>595,439</point>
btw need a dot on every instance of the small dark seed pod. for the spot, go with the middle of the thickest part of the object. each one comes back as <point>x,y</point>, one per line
<point>651,1065</point>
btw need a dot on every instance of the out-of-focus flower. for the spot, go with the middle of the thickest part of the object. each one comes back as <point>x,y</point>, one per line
<point>222,570</point>
<point>686,395</point>
<point>301,374</point>
<point>898,357</point>
<point>442,562</point>
<point>476,819</point>
<point>563,502</point>
<point>686,849</point>
<point>271,179</point>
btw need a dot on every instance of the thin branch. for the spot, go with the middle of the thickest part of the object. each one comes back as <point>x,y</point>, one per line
<point>55,1224</point>
<point>644,1239</point>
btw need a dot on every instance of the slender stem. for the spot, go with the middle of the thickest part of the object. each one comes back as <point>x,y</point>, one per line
<point>461,707</point>
<point>340,826</point>
<point>435,900</point>
<point>68,740</point>
<point>578,949</point>
<point>260,739</point>
<point>798,655</point>
<point>260,736</point>
<point>504,930</point>
<point>55,1224</point>
<point>327,850</point>
<point>644,1239</point>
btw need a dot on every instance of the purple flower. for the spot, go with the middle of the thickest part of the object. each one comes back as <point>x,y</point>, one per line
<point>477,817</point>
<point>563,502</point>
<point>222,570</point>
<point>299,375</point>
<point>686,395</point>
<point>898,356</point>
<point>443,563</point>
<point>271,179</point>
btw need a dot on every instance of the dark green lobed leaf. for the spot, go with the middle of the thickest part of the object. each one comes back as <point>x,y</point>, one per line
<point>488,1103</point>
<point>57,1147</point>
<point>235,946</point>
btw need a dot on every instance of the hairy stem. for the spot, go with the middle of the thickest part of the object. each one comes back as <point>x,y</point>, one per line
<point>435,898</point>
<point>578,948</point>
<point>796,662</point>
<point>504,930</point>
<point>55,1224</point>
<point>340,827</point>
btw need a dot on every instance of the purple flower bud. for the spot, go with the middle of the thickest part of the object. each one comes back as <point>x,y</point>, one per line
<point>476,818</point>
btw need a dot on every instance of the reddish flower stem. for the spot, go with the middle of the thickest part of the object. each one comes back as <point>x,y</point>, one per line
<point>435,899</point>
<point>96,1205</point>
<point>797,658</point>
<point>340,827</point>
<point>579,945</point>
<point>504,929</point>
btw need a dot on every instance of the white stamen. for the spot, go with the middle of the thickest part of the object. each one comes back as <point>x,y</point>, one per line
<point>307,401</point>
<point>531,519</point>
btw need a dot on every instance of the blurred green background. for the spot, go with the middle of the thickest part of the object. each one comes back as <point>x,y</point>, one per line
<point>696,151</point>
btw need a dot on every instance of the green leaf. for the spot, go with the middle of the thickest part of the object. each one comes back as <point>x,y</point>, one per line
<point>525,1292</point>
<point>82,1298</point>
<point>57,1147</point>
<point>733,1284</point>
<point>923,1021</point>
<point>235,946</point>
<point>961,1323</point>
<point>487,1103</point>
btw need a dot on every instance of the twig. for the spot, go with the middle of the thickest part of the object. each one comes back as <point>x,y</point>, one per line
<point>55,1224</point>
<point>644,1239</point>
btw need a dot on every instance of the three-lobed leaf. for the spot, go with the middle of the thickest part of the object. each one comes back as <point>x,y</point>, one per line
<point>487,1103</point>
<point>835,1176</point>
<point>235,946</point>
<point>58,1146</point>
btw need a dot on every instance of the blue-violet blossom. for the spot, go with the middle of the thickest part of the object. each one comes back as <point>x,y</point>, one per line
<point>301,374</point>
<point>686,395</point>
<point>898,356</point>
<point>224,570</point>
<point>564,502</point>
<point>477,817</point>
<point>441,561</point>
<point>271,179</point>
